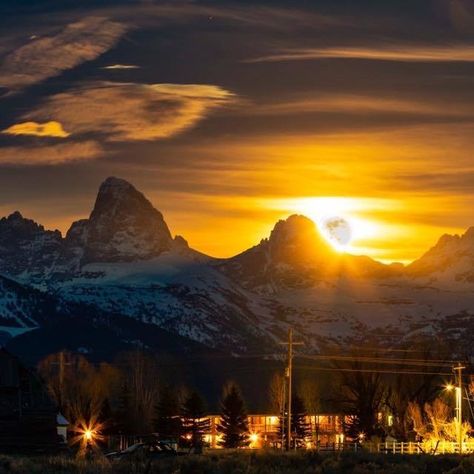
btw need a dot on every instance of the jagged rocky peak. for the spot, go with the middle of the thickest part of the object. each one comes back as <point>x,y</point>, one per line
<point>118,199</point>
<point>25,246</point>
<point>449,252</point>
<point>296,239</point>
<point>294,244</point>
<point>469,235</point>
<point>18,227</point>
<point>123,226</point>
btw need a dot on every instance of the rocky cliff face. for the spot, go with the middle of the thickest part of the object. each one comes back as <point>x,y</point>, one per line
<point>123,226</point>
<point>294,248</point>
<point>26,247</point>
<point>296,255</point>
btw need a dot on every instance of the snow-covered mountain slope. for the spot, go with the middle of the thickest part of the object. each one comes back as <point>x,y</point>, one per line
<point>22,308</point>
<point>124,261</point>
<point>181,292</point>
<point>451,260</point>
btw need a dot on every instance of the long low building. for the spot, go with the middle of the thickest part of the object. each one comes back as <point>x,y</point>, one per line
<point>324,429</point>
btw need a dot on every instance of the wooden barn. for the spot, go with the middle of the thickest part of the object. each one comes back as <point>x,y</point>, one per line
<point>27,413</point>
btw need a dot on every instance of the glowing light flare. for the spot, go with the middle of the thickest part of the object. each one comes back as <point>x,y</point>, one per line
<point>254,438</point>
<point>87,435</point>
<point>341,220</point>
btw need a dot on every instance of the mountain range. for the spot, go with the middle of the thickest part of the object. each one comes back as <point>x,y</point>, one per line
<point>121,272</point>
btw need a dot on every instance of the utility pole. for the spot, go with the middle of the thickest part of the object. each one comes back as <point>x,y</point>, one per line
<point>283,400</point>
<point>289,369</point>
<point>458,371</point>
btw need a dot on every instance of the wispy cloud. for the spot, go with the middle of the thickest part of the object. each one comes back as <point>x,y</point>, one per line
<point>362,104</point>
<point>49,56</point>
<point>121,66</point>
<point>400,53</point>
<point>123,112</point>
<point>47,129</point>
<point>50,154</point>
<point>264,17</point>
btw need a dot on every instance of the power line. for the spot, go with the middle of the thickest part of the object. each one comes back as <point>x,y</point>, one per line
<point>379,360</point>
<point>336,369</point>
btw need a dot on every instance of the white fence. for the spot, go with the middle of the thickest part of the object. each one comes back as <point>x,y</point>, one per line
<point>434,447</point>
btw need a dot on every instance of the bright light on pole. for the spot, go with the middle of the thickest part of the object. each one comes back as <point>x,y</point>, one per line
<point>458,397</point>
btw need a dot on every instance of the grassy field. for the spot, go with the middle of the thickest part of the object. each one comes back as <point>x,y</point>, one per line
<point>247,463</point>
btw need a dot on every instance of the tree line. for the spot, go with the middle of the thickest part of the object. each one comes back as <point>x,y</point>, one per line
<point>128,396</point>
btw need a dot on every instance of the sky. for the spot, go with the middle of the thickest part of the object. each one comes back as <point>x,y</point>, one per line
<point>231,115</point>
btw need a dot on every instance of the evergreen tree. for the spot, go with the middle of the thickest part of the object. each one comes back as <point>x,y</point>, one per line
<point>167,420</point>
<point>194,423</point>
<point>282,430</point>
<point>300,429</point>
<point>234,426</point>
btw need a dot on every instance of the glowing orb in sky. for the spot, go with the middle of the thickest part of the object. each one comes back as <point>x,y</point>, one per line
<point>338,231</point>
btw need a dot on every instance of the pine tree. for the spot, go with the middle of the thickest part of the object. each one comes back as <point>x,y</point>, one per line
<point>234,425</point>
<point>194,422</point>
<point>300,429</point>
<point>282,430</point>
<point>167,420</point>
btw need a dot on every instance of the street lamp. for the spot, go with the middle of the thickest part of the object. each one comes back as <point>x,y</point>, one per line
<point>458,397</point>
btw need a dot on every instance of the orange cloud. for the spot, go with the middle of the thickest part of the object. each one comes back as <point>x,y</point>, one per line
<point>133,111</point>
<point>400,53</point>
<point>50,154</point>
<point>47,129</point>
<point>362,104</point>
